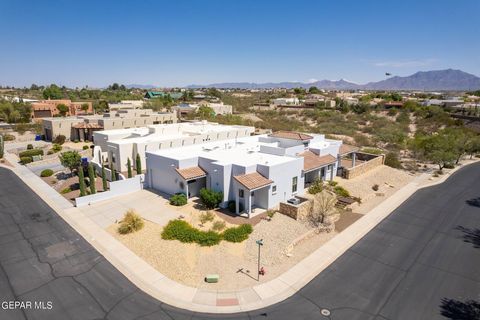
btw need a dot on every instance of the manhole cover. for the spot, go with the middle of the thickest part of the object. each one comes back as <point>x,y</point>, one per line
<point>325,312</point>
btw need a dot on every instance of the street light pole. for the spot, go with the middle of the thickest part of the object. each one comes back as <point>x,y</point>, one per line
<point>260,243</point>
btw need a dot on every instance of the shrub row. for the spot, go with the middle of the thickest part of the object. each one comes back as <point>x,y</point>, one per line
<point>31,153</point>
<point>182,231</point>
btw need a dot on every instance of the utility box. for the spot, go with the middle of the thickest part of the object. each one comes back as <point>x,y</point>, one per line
<point>212,278</point>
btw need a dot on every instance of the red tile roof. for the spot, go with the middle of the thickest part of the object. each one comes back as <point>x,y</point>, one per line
<point>313,161</point>
<point>346,148</point>
<point>191,173</point>
<point>291,135</point>
<point>253,180</point>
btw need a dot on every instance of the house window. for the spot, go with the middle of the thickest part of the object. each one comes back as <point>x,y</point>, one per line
<point>294,184</point>
<point>240,193</point>
<point>274,189</point>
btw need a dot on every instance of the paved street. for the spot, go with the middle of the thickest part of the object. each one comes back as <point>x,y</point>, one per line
<point>422,262</point>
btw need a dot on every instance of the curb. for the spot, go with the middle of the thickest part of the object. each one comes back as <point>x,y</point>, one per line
<point>181,296</point>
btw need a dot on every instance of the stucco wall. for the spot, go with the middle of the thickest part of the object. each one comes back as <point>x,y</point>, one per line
<point>364,167</point>
<point>299,212</point>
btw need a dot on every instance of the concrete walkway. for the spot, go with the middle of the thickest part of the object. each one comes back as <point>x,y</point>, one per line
<point>168,291</point>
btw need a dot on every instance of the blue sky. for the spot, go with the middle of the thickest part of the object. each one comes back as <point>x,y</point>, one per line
<point>175,43</point>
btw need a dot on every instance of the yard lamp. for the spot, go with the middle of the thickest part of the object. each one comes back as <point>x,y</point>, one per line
<point>260,244</point>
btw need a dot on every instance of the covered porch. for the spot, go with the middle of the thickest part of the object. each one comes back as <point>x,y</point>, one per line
<point>194,179</point>
<point>347,158</point>
<point>251,193</point>
<point>84,131</point>
<point>317,167</point>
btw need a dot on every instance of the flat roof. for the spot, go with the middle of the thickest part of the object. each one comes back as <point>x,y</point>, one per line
<point>242,151</point>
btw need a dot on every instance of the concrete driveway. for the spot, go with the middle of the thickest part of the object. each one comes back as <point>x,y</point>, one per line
<point>150,205</point>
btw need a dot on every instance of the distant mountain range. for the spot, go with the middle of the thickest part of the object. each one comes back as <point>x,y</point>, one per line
<point>140,86</point>
<point>449,80</point>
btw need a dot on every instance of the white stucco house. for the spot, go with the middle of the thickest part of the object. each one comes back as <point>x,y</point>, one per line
<point>255,172</point>
<point>115,147</point>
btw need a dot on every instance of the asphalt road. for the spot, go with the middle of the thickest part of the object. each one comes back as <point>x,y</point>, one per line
<point>422,262</point>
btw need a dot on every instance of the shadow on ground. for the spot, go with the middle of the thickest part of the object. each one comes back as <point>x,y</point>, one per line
<point>470,236</point>
<point>458,310</point>
<point>475,202</point>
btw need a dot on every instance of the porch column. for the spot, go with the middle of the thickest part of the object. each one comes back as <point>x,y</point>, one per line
<point>237,202</point>
<point>331,172</point>
<point>249,203</point>
<point>354,156</point>
<point>186,189</point>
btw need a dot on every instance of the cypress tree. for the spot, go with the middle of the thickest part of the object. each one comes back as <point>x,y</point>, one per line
<point>129,166</point>
<point>81,181</point>
<point>114,175</point>
<point>91,177</point>
<point>139,164</point>
<point>104,178</point>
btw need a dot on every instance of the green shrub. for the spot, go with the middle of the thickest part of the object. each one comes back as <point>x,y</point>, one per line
<point>25,160</point>
<point>182,231</point>
<point>60,139</point>
<point>270,213</point>
<point>316,187</point>
<point>29,146</point>
<point>232,206</point>
<point>49,152</point>
<point>207,216</point>
<point>8,137</point>
<point>178,199</point>
<point>218,225</point>
<point>341,191</point>
<point>46,173</point>
<point>209,238</point>
<point>66,190</point>
<point>332,183</point>
<point>85,147</point>
<point>391,160</point>
<point>131,222</point>
<point>31,153</point>
<point>237,234</point>
<point>210,198</point>
<point>56,147</point>
<point>449,166</point>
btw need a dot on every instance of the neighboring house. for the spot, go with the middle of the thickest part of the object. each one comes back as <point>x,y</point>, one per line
<point>285,101</point>
<point>255,172</point>
<point>48,108</point>
<point>443,103</point>
<point>126,104</point>
<point>161,94</point>
<point>115,147</point>
<point>218,108</point>
<point>82,127</point>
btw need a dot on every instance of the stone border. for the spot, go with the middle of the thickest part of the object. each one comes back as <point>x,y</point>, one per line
<point>178,295</point>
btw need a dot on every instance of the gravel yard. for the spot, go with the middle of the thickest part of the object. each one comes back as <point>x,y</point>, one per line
<point>389,181</point>
<point>236,263</point>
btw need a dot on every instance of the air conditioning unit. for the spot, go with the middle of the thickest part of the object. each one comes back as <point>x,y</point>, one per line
<point>294,201</point>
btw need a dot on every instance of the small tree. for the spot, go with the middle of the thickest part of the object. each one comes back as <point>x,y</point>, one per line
<point>138,164</point>
<point>81,181</point>
<point>91,177</point>
<point>84,107</point>
<point>323,206</point>
<point>70,160</point>
<point>104,178</point>
<point>114,175</point>
<point>62,109</point>
<point>129,168</point>
<point>210,198</point>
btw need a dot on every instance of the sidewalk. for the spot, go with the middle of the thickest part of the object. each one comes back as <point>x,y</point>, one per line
<point>170,292</point>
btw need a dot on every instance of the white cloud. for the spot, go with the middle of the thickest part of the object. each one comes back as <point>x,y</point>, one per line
<point>312,80</point>
<point>405,63</point>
